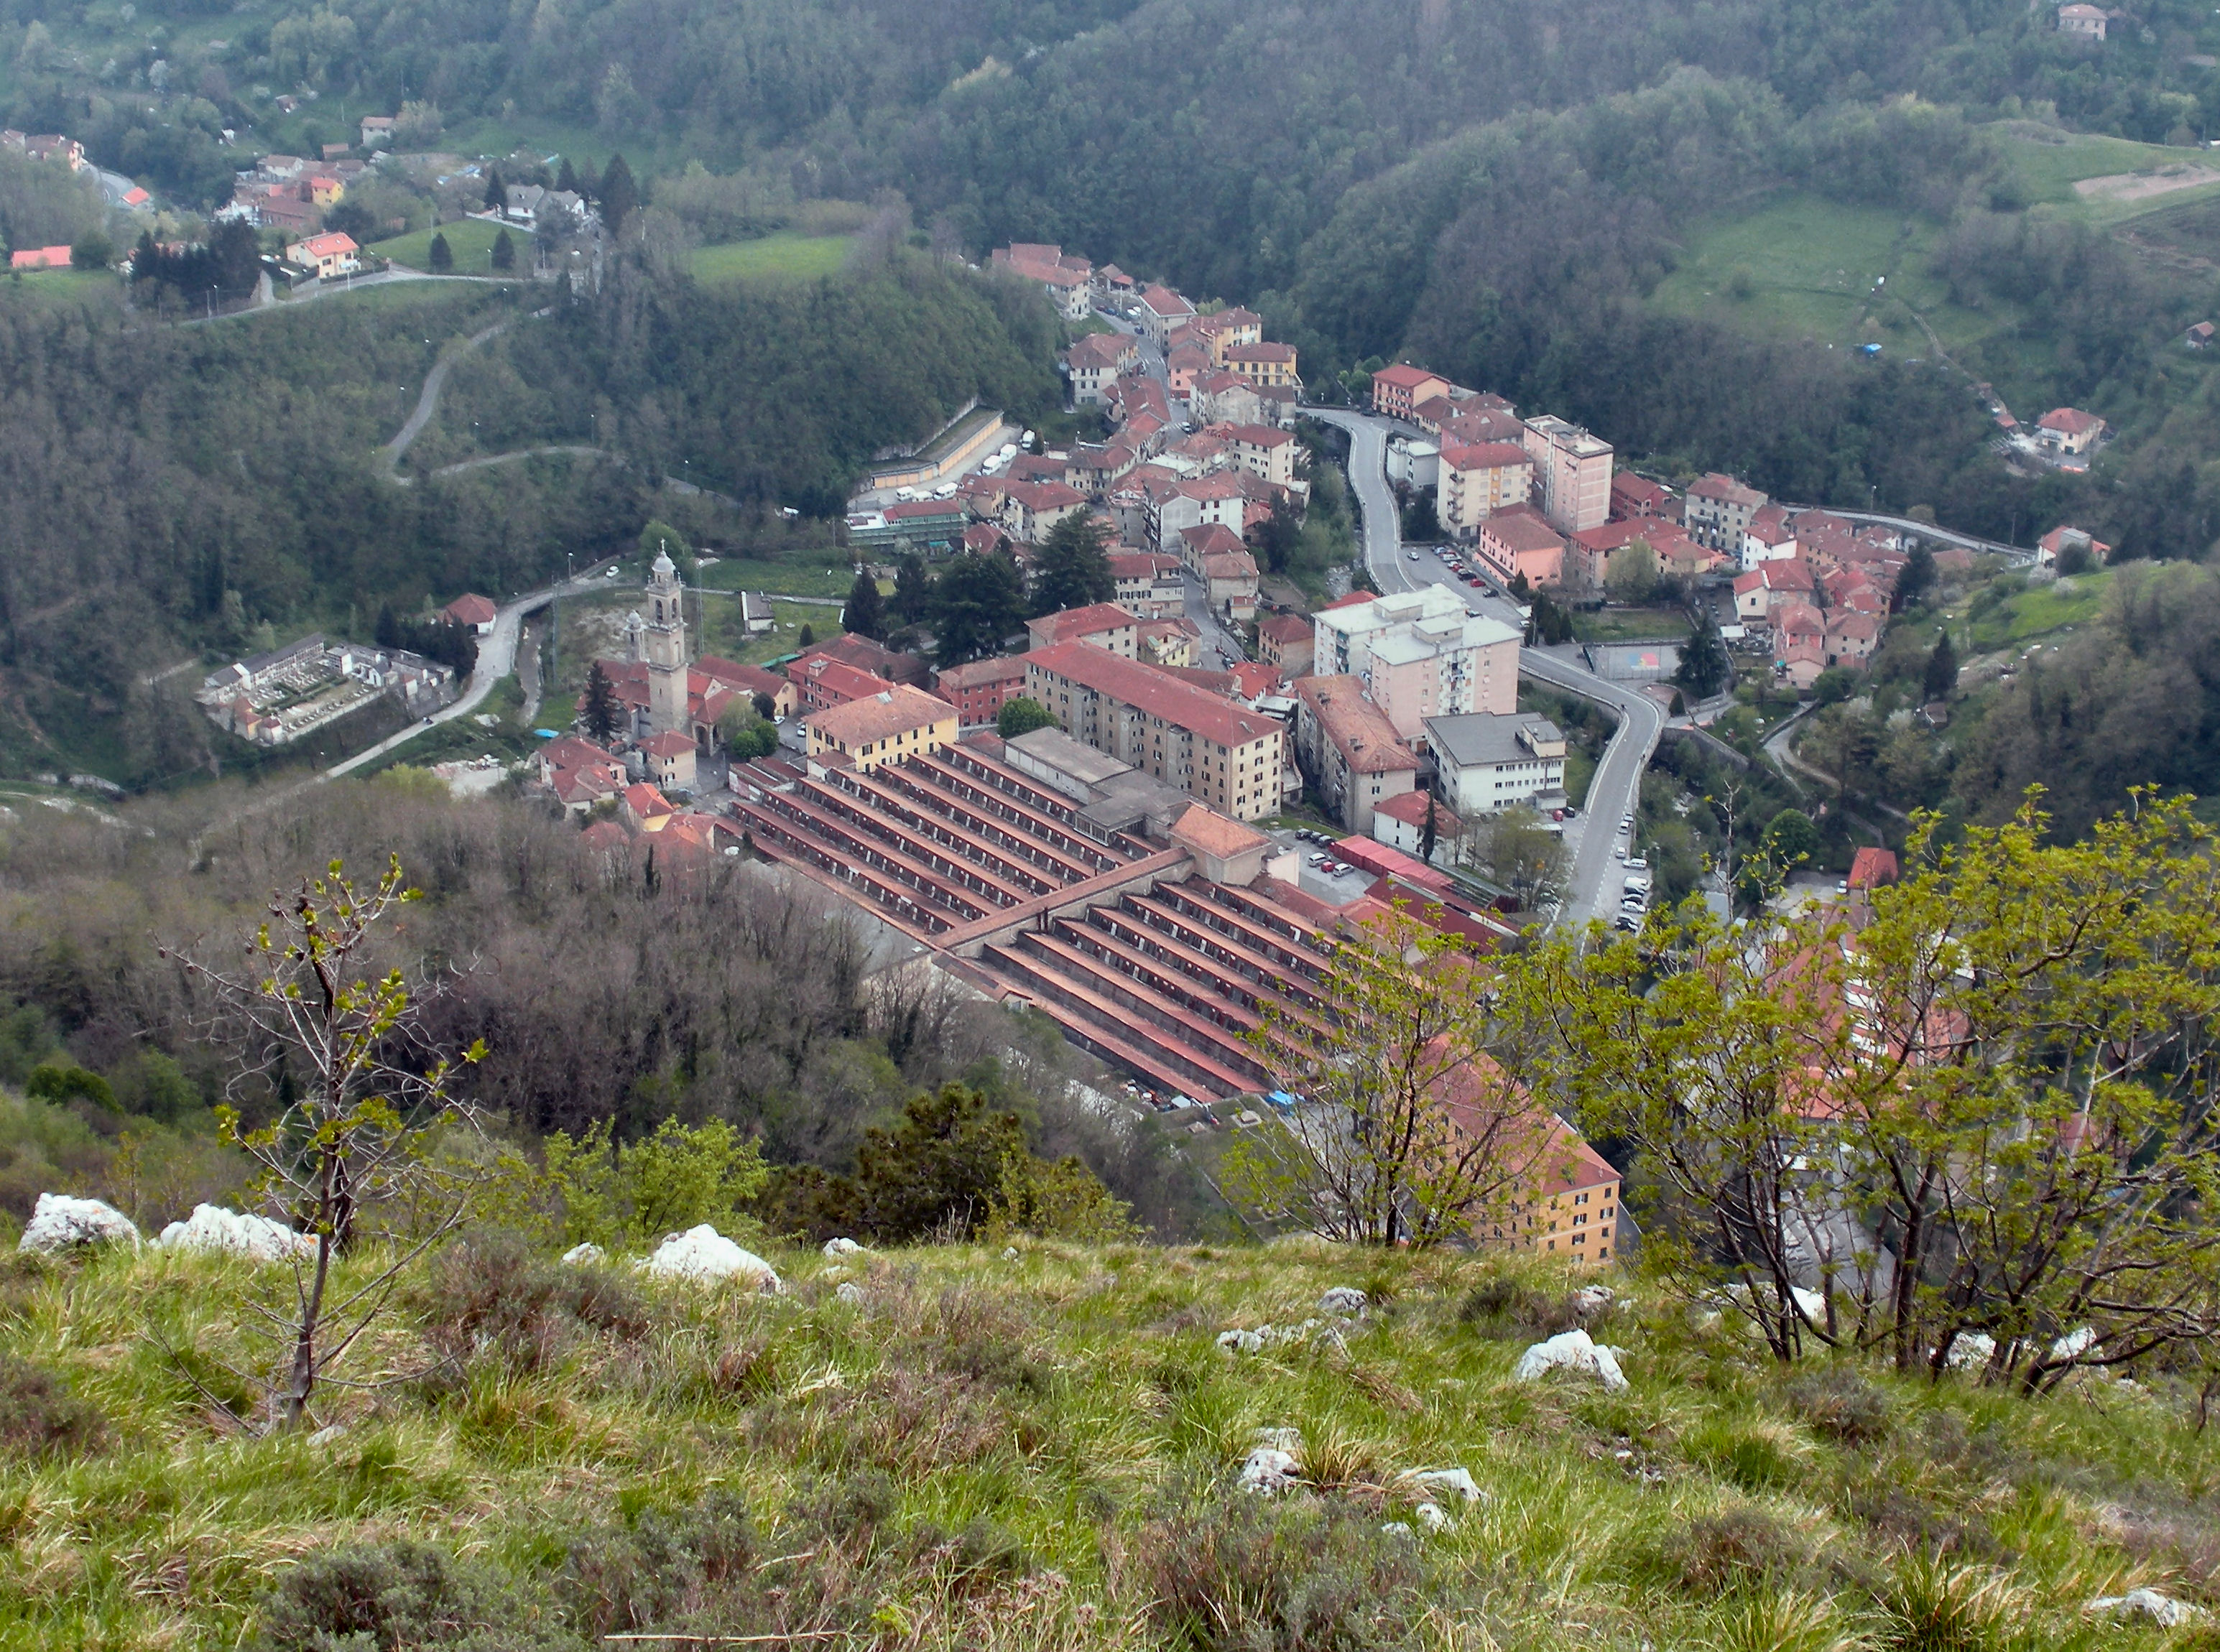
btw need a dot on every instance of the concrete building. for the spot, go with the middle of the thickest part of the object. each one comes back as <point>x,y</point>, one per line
<point>1163,309</point>
<point>1516,542</point>
<point>1100,624</point>
<point>897,722</point>
<point>1567,1205</point>
<point>1572,472</point>
<point>1419,654</point>
<point>1350,750</point>
<point>1262,362</point>
<point>1094,362</point>
<point>979,688</point>
<point>1718,511</point>
<point>2068,430</point>
<point>1148,585</point>
<point>1067,278</point>
<point>1414,464</point>
<point>1477,479</point>
<point>1287,641</point>
<point>1489,763</point>
<point>1265,451</point>
<point>2088,21</point>
<point>1168,728</point>
<point>1397,390</point>
<point>659,641</point>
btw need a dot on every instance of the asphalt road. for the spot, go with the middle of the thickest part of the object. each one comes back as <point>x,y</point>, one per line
<point>1597,874</point>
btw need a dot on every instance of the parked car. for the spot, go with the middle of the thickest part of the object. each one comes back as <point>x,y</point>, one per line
<point>1638,863</point>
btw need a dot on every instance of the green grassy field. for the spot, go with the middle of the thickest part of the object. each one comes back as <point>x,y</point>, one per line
<point>53,290</point>
<point>2038,611</point>
<point>804,575</point>
<point>785,256</point>
<point>471,239</point>
<point>1629,625</point>
<point>1040,1454</point>
<point>2050,169</point>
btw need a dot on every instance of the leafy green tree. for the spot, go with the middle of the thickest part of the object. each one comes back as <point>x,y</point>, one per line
<point>1412,1132</point>
<point>443,258</point>
<point>1073,568</point>
<point>659,539</point>
<point>1940,681</point>
<point>1633,576</point>
<point>618,194</point>
<point>863,615</point>
<point>364,1098</point>
<point>1022,715</point>
<point>613,1193</point>
<point>1915,579</point>
<point>1791,839</point>
<point>62,1082</point>
<point>599,713</point>
<point>1704,665</point>
<point>1834,685</point>
<point>977,602</point>
<point>1516,852</point>
<point>1419,522</point>
<point>913,599</point>
<point>503,257</point>
<point>92,250</point>
<point>1273,540</point>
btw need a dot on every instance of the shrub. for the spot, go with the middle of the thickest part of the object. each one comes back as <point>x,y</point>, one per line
<point>494,1295</point>
<point>1242,1575</point>
<point>1715,1554</point>
<point>41,1418</point>
<point>1509,1308</point>
<point>659,1569</point>
<point>389,1597</point>
<point>1840,1405</point>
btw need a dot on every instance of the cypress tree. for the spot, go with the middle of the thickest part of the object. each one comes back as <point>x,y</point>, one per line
<point>601,709</point>
<point>619,196</point>
<point>865,615</point>
<point>496,197</point>
<point>504,251</point>
<point>443,256</point>
<point>1942,670</point>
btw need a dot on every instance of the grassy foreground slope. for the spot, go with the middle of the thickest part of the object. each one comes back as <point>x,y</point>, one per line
<point>1041,1452</point>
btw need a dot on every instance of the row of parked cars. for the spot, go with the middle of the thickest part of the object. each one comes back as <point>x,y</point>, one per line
<point>1455,563</point>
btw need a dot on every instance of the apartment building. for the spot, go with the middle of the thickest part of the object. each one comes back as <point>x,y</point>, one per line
<point>1397,390</point>
<point>1517,543</point>
<point>1489,763</point>
<point>1350,750</point>
<point>1718,512</point>
<point>1094,362</point>
<point>898,722</point>
<point>1228,329</point>
<point>1263,451</point>
<point>1419,654</point>
<point>1478,478</point>
<point>1163,309</point>
<point>1100,625</point>
<point>1185,736</point>
<point>1149,585</point>
<point>978,689</point>
<point>1572,472</point>
<point>1262,362</point>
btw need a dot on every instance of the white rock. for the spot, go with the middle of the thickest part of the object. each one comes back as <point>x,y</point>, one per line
<point>842,1247</point>
<point>1345,1300</point>
<point>584,1255</point>
<point>1458,1482</point>
<point>703,1253</point>
<point>850,1291</point>
<point>1268,1470</point>
<point>2073,1343</point>
<point>1430,1516</point>
<point>1240,1341</point>
<point>2160,1609</point>
<point>1010,1253</point>
<point>1569,1350</point>
<point>326,1434</point>
<point>61,1223</point>
<point>1591,1300</point>
<point>211,1228</point>
<point>1399,1529</point>
<point>1972,1349</point>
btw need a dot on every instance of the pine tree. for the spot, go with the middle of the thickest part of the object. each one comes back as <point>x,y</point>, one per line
<point>496,197</point>
<point>808,638</point>
<point>619,196</point>
<point>1703,666</point>
<point>1073,569</point>
<point>387,631</point>
<point>912,591</point>
<point>865,615</point>
<point>1942,669</point>
<point>601,709</point>
<point>443,257</point>
<point>567,179</point>
<point>504,251</point>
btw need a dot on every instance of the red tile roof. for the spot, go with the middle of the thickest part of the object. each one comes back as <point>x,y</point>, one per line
<point>1360,729</point>
<point>470,609</point>
<point>1159,693</point>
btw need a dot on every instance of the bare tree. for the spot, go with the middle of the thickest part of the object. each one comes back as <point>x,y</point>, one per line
<point>362,1101</point>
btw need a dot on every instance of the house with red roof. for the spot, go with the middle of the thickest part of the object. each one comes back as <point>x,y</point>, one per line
<point>470,612</point>
<point>1516,541</point>
<point>1638,496</point>
<point>1397,390</point>
<point>1101,625</point>
<point>2069,430</point>
<point>329,254</point>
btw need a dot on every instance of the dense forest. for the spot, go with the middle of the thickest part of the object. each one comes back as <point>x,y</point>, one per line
<point>166,489</point>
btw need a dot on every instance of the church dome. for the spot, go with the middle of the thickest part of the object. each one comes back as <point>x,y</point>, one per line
<point>663,564</point>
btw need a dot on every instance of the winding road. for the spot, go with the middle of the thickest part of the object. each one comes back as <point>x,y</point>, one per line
<point>1592,888</point>
<point>427,401</point>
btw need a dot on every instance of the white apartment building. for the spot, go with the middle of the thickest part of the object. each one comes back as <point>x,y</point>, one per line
<point>1419,654</point>
<point>1489,763</point>
<point>1572,473</point>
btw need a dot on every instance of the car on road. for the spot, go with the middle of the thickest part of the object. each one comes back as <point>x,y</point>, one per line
<point>1619,853</point>
<point>1413,554</point>
<point>1628,921</point>
<point>1638,863</point>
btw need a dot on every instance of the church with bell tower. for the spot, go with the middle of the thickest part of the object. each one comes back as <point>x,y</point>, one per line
<point>658,642</point>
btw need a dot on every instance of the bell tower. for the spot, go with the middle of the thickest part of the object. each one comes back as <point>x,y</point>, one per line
<point>663,645</point>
